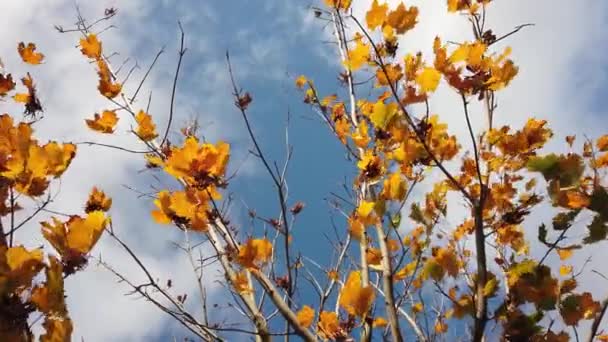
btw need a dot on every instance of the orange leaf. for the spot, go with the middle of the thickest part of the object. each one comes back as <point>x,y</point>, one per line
<point>402,19</point>
<point>564,254</point>
<point>98,201</point>
<point>376,15</point>
<point>146,129</point>
<point>90,46</point>
<point>28,53</point>
<point>329,326</point>
<point>103,123</point>
<point>6,84</point>
<point>241,283</point>
<point>379,322</point>
<point>306,316</point>
<point>355,298</point>
<point>255,252</point>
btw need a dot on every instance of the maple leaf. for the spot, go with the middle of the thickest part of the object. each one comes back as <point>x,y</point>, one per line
<point>104,123</point>
<point>402,19</point>
<point>255,253</point>
<point>394,187</point>
<point>241,283</point>
<point>575,307</point>
<point>306,316</point>
<point>376,15</point>
<point>355,298</point>
<point>97,201</point>
<point>382,114</point>
<point>28,53</point>
<point>22,265</point>
<point>361,135</point>
<point>329,326</point>
<point>90,46</point>
<point>358,56</point>
<point>49,298</point>
<point>30,99</point>
<point>106,85</point>
<point>428,79</point>
<point>601,143</point>
<point>146,129</point>
<point>564,254</point>
<point>6,84</point>
<point>340,4</point>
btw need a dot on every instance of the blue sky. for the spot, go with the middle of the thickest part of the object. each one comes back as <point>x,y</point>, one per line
<point>562,78</point>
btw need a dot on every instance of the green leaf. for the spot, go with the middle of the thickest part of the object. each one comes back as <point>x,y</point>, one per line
<point>547,165</point>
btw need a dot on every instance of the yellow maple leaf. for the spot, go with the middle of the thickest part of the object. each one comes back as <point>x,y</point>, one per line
<point>564,270</point>
<point>49,298</point>
<point>84,233</point>
<point>255,253</point>
<point>394,187</point>
<point>306,316</point>
<point>358,56</point>
<point>376,15</point>
<point>146,129</point>
<point>382,114</point>
<point>90,46</point>
<point>564,254</point>
<point>329,325</point>
<point>428,79</point>
<point>361,135</point>
<point>402,19</point>
<point>355,298</point>
<point>28,53</point>
<point>103,123</point>
<point>340,4</point>
<point>162,214</point>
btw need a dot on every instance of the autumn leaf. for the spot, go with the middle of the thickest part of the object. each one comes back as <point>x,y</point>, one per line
<point>564,254</point>
<point>601,143</point>
<point>428,79</point>
<point>255,253</point>
<point>241,283</point>
<point>90,46</point>
<point>355,298</point>
<point>97,201</point>
<point>358,56</point>
<point>6,84</point>
<point>22,264</point>
<point>146,129</point>
<point>376,15</point>
<point>402,19</point>
<point>379,322</point>
<point>341,4</point>
<point>104,123</point>
<point>301,81</point>
<point>306,316</point>
<point>329,326</point>
<point>564,270</point>
<point>28,53</point>
<point>382,114</point>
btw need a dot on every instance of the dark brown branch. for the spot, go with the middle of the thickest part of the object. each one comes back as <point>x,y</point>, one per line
<point>181,53</point>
